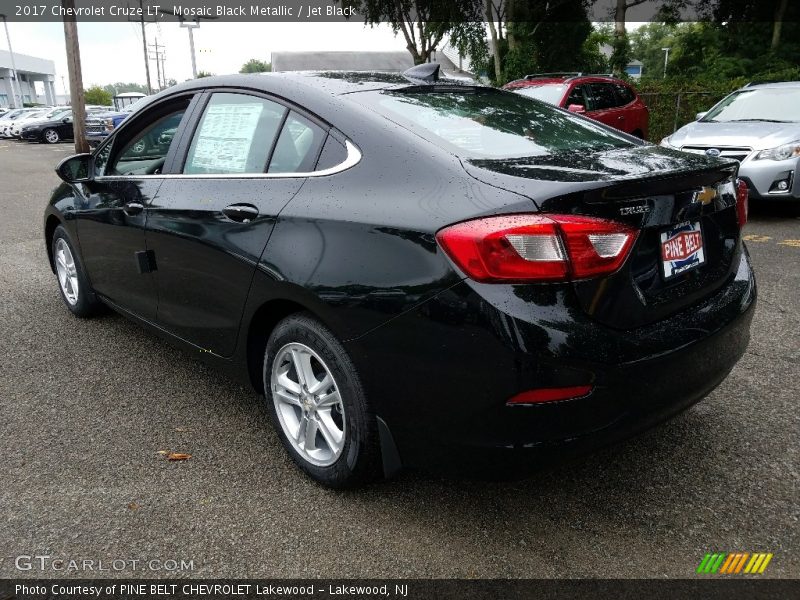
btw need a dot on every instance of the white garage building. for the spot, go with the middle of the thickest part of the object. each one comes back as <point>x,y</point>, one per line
<point>36,77</point>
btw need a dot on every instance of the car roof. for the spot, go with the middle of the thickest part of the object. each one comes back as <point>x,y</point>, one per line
<point>771,84</point>
<point>331,82</point>
<point>546,79</point>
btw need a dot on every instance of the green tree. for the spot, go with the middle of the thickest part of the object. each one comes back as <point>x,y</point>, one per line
<point>256,66</point>
<point>204,74</point>
<point>97,95</point>
<point>423,23</point>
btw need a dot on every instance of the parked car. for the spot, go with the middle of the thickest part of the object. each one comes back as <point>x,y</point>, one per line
<point>58,127</point>
<point>758,126</point>
<point>600,97</point>
<point>14,117</point>
<point>414,271</point>
<point>100,124</point>
<point>47,115</point>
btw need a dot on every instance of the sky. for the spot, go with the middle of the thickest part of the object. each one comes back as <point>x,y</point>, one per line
<point>112,52</point>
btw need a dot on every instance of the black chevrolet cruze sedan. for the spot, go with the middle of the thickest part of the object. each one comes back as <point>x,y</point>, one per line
<point>413,270</point>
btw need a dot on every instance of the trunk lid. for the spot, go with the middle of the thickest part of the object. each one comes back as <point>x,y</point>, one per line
<point>657,190</point>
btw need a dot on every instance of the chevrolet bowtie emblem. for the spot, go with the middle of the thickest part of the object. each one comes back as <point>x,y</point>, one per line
<point>704,195</point>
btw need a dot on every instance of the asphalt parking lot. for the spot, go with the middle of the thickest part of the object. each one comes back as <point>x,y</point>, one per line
<point>88,404</point>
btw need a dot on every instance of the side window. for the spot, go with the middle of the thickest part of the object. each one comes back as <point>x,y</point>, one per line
<point>101,160</point>
<point>576,97</point>
<point>235,135</point>
<point>624,93</point>
<point>298,146</point>
<point>145,151</point>
<point>333,153</point>
<point>603,96</point>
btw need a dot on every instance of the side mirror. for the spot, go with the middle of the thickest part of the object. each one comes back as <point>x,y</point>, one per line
<point>576,108</point>
<point>700,115</point>
<point>75,169</point>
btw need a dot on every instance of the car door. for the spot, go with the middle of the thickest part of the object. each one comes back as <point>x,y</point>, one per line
<point>65,130</point>
<point>605,105</point>
<point>111,217</point>
<point>211,219</point>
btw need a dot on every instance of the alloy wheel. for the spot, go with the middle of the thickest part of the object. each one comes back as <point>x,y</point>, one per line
<point>308,404</point>
<point>67,271</point>
<point>51,136</point>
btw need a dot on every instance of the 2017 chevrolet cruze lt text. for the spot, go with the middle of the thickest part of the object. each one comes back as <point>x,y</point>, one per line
<point>414,271</point>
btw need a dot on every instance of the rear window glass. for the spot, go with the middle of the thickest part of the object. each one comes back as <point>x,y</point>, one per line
<point>491,124</point>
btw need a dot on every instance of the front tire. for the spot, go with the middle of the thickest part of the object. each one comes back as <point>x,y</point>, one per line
<point>51,136</point>
<point>73,284</point>
<point>318,406</point>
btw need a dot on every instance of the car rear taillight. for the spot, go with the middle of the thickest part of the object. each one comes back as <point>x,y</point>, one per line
<point>537,247</point>
<point>742,202</point>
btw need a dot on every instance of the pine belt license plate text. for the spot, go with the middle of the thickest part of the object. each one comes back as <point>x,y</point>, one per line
<point>682,249</point>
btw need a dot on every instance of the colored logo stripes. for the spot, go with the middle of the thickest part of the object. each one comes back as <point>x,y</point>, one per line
<point>732,563</point>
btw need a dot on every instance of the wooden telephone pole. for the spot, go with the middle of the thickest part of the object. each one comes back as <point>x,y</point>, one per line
<point>75,78</point>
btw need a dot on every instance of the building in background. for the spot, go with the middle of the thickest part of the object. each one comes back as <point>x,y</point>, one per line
<point>36,80</point>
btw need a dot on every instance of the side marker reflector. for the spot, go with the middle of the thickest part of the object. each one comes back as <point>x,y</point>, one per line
<point>550,395</point>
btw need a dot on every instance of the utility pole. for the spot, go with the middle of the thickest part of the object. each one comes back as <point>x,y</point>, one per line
<point>13,68</point>
<point>158,56</point>
<point>75,77</point>
<point>144,45</point>
<point>191,26</point>
<point>666,60</point>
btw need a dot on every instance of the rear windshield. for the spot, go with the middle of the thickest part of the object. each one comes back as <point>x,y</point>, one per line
<point>483,123</point>
<point>551,94</point>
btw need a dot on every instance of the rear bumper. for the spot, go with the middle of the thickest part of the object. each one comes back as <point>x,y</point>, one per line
<point>440,375</point>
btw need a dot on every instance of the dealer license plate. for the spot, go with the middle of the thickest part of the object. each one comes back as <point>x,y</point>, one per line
<point>682,249</point>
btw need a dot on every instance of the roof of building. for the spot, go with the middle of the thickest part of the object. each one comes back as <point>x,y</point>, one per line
<point>27,64</point>
<point>341,61</point>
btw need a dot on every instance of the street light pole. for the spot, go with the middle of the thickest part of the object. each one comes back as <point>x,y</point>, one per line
<point>666,60</point>
<point>13,67</point>
<point>191,26</point>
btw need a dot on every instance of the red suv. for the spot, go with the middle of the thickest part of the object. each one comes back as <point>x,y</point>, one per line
<point>600,97</point>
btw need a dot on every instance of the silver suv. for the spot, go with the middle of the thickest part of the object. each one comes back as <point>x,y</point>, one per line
<point>758,125</point>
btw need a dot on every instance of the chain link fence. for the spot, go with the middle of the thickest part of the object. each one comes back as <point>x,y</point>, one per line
<point>671,110</point>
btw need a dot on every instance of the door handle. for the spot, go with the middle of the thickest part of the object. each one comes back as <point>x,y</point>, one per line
<point>621,118</point>
<point>241,213</point>
<point>133,208</point>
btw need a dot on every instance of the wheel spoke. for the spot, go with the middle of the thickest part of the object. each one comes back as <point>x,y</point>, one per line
<point>330,432</point>
<point>329,400</point>
<point>287,397</point>
<point>310,443</point>
<point>301,429</point>
<point>286,383</point>
<point>321,386</point>
<point>297,360</point>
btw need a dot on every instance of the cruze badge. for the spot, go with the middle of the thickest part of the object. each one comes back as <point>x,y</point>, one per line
<point>634,210</point>
<point>704,195</point>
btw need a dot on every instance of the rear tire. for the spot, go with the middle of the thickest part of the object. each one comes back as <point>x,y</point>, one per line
<point>318,406</point>
<point>51,136</point>
<point>73,284</point>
